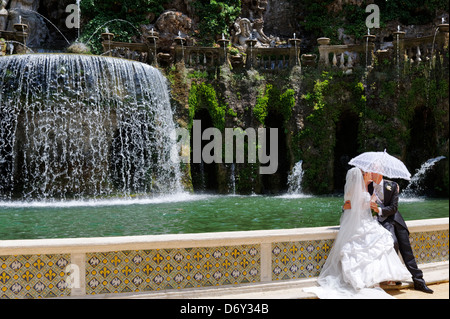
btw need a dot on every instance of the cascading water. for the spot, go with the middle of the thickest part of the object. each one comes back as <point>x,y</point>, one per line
<point>414,189</point>
<point>75,126</point>
<point>295,179</point>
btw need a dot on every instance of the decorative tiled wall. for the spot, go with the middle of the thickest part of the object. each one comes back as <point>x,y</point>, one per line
<point>293,260</point>
<point>147,270</point>
<point>430,246</point>
<point>44,276</point>
<point>38,276</point>
<point>304,259</point>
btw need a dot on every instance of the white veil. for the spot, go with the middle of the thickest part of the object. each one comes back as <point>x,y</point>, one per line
<point>335,281</point>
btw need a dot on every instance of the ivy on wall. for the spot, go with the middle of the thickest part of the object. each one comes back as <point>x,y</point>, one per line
<point>273,99</point>
<point>203,95</point>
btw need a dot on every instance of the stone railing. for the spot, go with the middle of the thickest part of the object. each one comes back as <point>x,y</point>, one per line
<point>266,59</point>
<point>272,59</point>
<point>419,50</point>
<point>46,268</point>
<point>141,52</point>
<point>346,56</point>
<point>199,56</point>
<point>18,38</point>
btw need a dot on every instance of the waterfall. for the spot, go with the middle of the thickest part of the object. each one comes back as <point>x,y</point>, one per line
<point>74,126</point>
<point>232,182</point>
<point>414,189</point>
<point>295,179</point>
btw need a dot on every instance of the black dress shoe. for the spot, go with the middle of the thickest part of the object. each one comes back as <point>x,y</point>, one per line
<point>418,285</point>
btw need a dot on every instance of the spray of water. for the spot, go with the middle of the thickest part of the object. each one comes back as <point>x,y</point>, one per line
<point>108,22</point>
<point>414,188</point>
<point>295,179</point>
<point>76,126</point>
<point>57,29</point>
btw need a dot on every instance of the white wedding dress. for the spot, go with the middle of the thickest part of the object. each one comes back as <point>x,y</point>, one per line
<point>363,253</point>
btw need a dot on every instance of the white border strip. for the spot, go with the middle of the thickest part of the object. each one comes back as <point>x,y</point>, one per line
<point>263,237</point>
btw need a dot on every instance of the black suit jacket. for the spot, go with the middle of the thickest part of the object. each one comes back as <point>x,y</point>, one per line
<point>390,202</point>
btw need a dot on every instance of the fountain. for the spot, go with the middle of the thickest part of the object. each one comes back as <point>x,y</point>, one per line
<point>399,36</point>
<point>413,190</point>
<point>152,40</point>
<point>224,44</point>
<point>76,126</point>
<point>251,42</point>
<point>180,41</point>
<point>232,182</point>
<point>295,181</point>
<point>40,15</point>
<point>296,43</point>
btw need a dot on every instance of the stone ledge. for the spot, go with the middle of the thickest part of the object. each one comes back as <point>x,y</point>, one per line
<point>103,244</point>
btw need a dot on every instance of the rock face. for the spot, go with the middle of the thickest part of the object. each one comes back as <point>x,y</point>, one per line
<point>277,11</point>
<point>24,11</point>
<point>41,32</point>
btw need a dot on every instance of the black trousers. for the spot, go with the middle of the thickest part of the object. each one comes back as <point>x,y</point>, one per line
<point>400,235</point>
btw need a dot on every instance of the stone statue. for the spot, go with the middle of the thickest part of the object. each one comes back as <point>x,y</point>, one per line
<point>3,15</point>
<point>243,29</point>
<point>254,9</point>
<point>17,8</point>
<point>252,25</point>
<point>258,25</point>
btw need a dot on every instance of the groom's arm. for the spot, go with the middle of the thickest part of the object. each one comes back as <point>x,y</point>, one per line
<point>347,205</point>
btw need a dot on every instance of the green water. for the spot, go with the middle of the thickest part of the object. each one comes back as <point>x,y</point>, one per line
<point>184,214</point>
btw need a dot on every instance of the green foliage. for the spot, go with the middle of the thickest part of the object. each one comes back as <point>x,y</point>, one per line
<point>411,11</point>
<point>216,18</point>
<point>97,14</point>
<point>260,110</point>
<point>320,22</point>
<point>204,96</point>
<point>273,99</point>
<point>317,18</point>
<point>316,141</point>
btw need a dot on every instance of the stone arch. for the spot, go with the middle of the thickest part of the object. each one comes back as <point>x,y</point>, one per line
<point>204,176</point>
<point>346,146</point>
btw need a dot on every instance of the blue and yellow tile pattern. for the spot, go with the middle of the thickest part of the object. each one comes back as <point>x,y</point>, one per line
<point>430,246</point>
<point>293,260</point>
<point>33,276</point>
<point>147,270</point>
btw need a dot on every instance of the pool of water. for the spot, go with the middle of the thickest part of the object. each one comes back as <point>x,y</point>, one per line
<point>184,213</point>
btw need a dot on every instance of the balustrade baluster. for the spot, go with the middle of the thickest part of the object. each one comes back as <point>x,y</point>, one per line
<point>342,61</point>
<point>334,59</point>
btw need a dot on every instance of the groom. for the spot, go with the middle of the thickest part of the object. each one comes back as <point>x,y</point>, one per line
<point>386,206</point>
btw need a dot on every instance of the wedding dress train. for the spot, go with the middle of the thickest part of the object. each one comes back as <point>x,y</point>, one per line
<point>363,253</point>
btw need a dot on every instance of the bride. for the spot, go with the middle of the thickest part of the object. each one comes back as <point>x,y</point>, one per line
<point>363,253</point>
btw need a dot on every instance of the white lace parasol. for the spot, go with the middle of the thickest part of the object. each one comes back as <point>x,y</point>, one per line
<point>381,163</point>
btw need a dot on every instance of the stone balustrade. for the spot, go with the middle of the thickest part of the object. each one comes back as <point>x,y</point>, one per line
<point>345,57</point>
<point>418,50</point>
